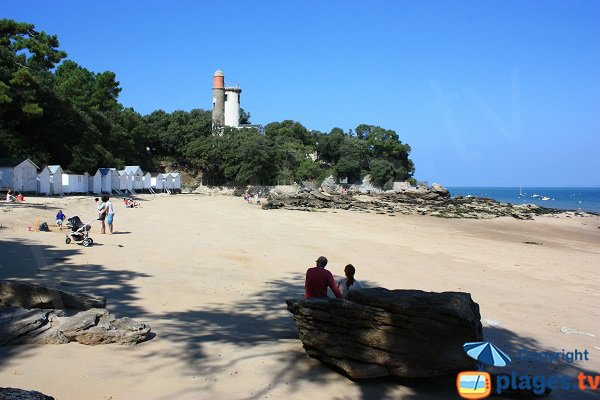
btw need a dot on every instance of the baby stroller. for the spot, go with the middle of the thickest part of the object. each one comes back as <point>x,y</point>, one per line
<point>79,232</point>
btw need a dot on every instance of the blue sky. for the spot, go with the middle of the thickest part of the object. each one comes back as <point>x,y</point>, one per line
<point>502,93</point>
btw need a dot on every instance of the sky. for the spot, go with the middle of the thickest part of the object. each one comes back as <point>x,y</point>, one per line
<point>487,93</point>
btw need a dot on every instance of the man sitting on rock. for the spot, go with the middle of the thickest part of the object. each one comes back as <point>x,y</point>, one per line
<point>318,279</point>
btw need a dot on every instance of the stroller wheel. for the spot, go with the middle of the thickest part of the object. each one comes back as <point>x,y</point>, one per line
<point>87,242</point>
<point>91,240</point>
<point>68,240</point>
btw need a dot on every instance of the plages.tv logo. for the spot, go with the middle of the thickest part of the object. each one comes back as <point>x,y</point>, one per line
<point>478,384</point>
<point>474,384</point>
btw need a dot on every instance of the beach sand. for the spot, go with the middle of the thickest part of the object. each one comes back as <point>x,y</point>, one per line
<point>211,275</point>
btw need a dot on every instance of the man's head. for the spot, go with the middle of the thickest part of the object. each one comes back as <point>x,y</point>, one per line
<point>321,262</point>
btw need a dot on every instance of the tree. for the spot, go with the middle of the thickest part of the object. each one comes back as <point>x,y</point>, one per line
<point>244,116</point>
<point>353,160</point>
<point>26,59</point>
<point>328,146</point>
<point>382,172</point>
<point>308,170</point>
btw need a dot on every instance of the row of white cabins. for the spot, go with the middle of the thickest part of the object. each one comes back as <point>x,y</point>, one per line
<point>26,177</point>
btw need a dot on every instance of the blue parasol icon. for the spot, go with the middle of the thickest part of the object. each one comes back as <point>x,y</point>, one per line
<point>486,353</point>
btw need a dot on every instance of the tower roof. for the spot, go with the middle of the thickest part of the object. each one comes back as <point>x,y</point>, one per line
<point>219,73</point>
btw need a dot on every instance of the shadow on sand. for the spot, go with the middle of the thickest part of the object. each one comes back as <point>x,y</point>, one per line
<point>47,265</point>
<point>259,319</point>
<point>263,318</point>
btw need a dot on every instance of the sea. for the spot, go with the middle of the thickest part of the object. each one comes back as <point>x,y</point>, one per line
<point>566,198</point>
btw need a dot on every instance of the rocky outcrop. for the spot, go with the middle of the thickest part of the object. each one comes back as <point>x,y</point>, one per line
<point>379,332</point>
<point>435,201</point>
<point>28,295</point>
<point>20,394</point>
<point>91,327</point>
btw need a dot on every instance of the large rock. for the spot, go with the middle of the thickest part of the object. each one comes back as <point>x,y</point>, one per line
<point>91,327</point>
<point>28,295</point>
<point>20,394</point>
<point>330,186</point>
<point>379,332</point>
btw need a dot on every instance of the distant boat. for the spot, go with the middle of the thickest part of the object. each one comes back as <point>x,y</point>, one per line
<point>535,195</point>
<point>545,198</point>
<point>521,194</point>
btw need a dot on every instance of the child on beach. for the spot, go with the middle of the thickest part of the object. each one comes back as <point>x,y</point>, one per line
<point>60,217</point>
<point>9,197</point>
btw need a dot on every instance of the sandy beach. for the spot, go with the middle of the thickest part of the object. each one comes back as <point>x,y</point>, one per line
<point>211,275</point>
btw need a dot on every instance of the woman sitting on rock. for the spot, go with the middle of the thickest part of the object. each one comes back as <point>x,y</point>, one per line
<point>349,284</point>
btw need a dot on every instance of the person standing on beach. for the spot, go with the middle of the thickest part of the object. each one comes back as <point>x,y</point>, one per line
<point>110,213</point>
<point>101,215</point>
<point>349,284</point>
<point>318,279</point>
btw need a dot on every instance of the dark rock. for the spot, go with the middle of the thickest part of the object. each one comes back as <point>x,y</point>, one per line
<point>435,201</point>
<point>379,332</point>
<point>91,327</point>
<point>28,295</point>
<point>20,394</point>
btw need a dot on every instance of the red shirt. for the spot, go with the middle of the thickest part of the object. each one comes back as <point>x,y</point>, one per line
<point>317,281</point>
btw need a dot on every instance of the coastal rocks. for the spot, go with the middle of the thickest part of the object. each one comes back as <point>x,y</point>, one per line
<point>34,314</point>
<point>417,201</point>
<point>379,332</point>
<point>90,327</point>
<point>28,295</point>
<point>20,394</point>
<point>440,190</point>
<point>330,186</point>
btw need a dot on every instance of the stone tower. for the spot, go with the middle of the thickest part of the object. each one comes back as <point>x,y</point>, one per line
<point>218,111</point>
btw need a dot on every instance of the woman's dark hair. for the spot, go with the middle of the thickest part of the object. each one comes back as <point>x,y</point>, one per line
<point>349,270</point>
<point>105,198</point>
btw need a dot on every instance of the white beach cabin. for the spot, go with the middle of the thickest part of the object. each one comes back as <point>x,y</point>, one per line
<point>125,182</point>
<point>168,182</point>
<point>21,176</point>
<point>147,183</point>
<point>74,183</point>
<point>105,180</point>
<point>157,181</point>
<point>137,176</point>
<point>56,174</point>
<point>43,181</point>
<point>176,180</point>
<point>49,181</point>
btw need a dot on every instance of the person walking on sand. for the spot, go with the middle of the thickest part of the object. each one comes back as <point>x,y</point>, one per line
<point>318,279</point>
<point>349,284</point>
<point>60,217</point>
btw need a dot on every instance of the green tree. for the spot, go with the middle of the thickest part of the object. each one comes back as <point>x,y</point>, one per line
<point>353,160</point>
<point>382,172</point>
<point>308,170</point>
<point>26,60</point>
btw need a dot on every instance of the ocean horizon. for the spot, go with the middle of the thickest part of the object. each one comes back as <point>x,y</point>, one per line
<point>576,198</point>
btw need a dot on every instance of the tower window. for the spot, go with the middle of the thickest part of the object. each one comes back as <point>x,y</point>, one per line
<point>225,97</point>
